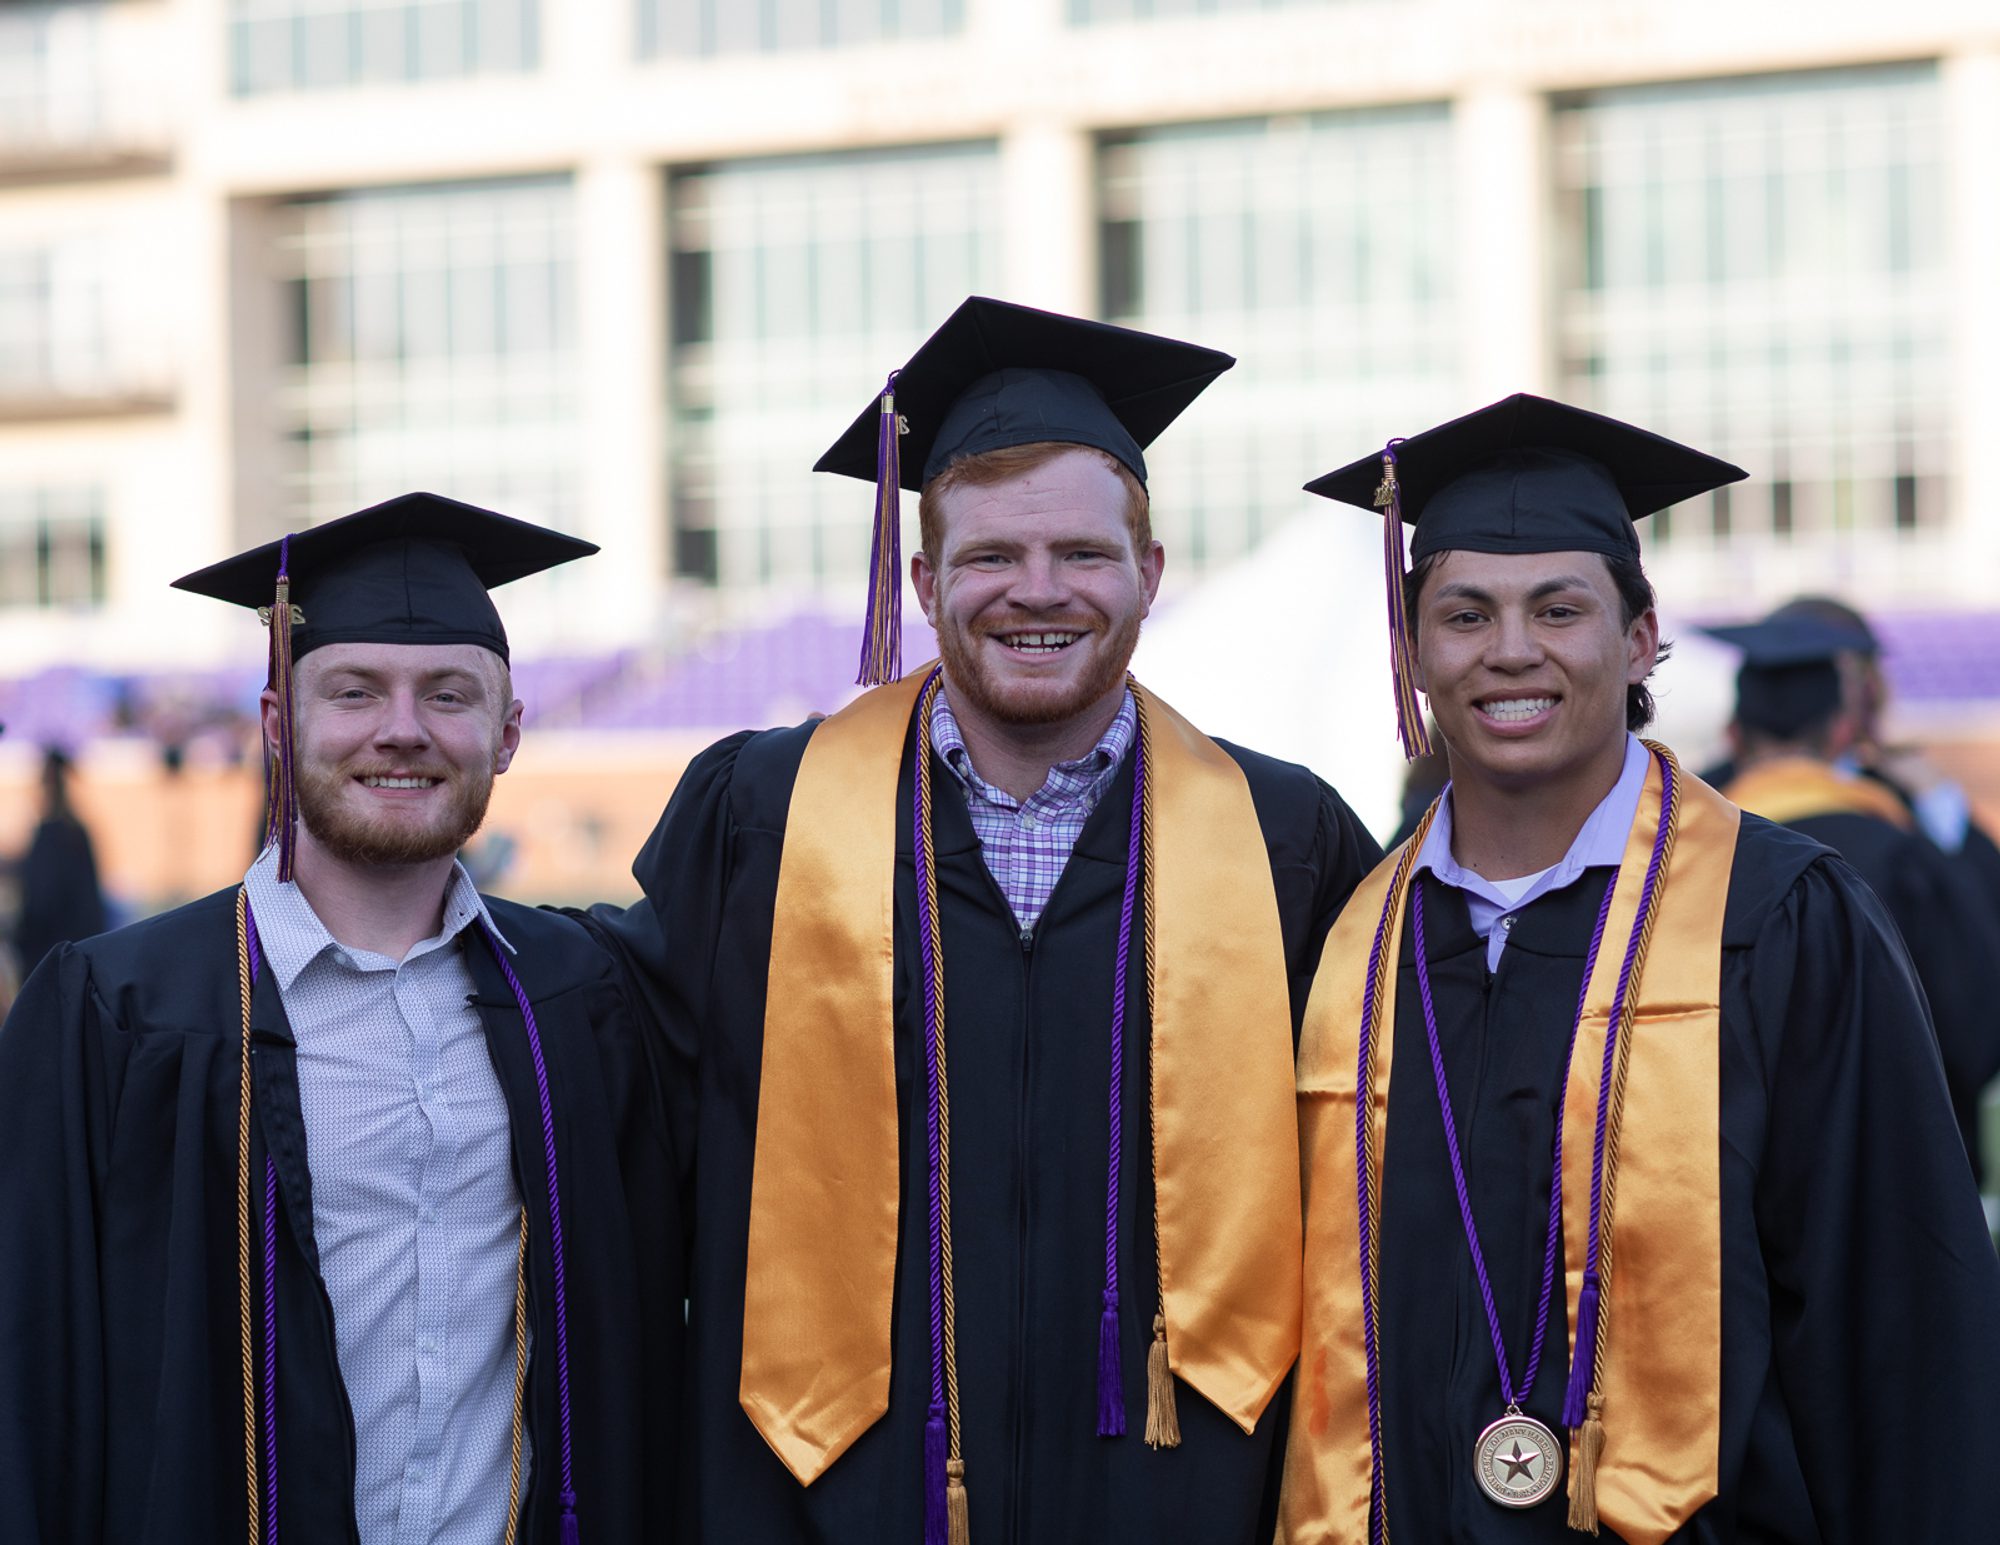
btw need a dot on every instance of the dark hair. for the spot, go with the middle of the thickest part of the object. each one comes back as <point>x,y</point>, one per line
<point>1635,597</point>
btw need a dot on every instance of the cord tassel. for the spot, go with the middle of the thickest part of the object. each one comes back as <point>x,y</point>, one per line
<point>1402,651</point>
<point>567,1532</point>
<point>1163,1420</point>
<point>1586,1449</point>
<point>1110,1372</point>
<point>882,635</point>
<point>1583,1362</point>
<point>934,1482</point>
<point>957,1511</point>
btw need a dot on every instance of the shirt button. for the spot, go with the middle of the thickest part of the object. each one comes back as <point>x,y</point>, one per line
<point>428,1344</point>
<point>1028,819</point>
<point>1507,923</point>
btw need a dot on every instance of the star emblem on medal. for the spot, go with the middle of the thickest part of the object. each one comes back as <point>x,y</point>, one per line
<point>1520,1466</point>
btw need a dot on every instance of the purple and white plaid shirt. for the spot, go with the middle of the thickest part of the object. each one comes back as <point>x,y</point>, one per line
<point>1026,843</point>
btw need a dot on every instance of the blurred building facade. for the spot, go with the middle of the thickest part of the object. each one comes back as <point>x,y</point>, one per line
<point>627,265</point>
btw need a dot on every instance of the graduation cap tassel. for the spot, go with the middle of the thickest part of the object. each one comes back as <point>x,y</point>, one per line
<point>882,637</point>
<point>1402,651</point>
<point>281,820</point>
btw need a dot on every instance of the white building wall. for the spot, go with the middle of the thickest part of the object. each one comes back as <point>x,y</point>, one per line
<point>194,474</point>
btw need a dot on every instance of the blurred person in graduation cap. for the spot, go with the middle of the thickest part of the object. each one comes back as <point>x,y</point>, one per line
<point>61,900</point>
<point>1662,1227</point>
<point>1796,726</point>
<point>340,1204</point>
<point>992,978</point>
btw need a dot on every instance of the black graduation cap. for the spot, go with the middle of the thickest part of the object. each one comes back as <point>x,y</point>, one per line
<point>997,375</point>
<point>412,570</point>
<point>1789,680</point>
<point>1528,475</point>
<point>1525,475</point>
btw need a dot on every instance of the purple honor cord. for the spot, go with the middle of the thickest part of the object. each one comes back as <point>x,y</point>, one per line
<point>1508,1391</point>
<point>567,1528</point>
<point>1110,1371</point>
<point>935,1448</point>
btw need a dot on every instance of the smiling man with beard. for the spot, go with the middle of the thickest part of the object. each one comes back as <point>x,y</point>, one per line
<point>341,1205</point>
<point>991,981</point>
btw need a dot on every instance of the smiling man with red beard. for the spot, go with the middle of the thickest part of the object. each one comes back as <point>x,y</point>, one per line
<point>1592,1013</point>
<point>991,981</point>
<point>346,1197</point>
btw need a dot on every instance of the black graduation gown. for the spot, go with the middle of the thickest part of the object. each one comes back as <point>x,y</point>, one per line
<point>1953,934</point>
<point>121,1405</point>
<point>1860,1292</point>
<point>1027,1025</point>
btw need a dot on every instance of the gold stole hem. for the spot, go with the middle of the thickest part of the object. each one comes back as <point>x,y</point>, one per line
<point>1661,1372</point>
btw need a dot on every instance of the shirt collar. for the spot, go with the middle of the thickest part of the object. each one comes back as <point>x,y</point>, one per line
<point>1599,843</point>
<point>291,937</point>
<point>1096,766</point>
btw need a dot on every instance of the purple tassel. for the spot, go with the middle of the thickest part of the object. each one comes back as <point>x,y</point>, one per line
<point>934,1457</point>
<point>1582,1366</point>
<point>567,1532</point>
<point>1110,1372</point>
<point>882,635</point>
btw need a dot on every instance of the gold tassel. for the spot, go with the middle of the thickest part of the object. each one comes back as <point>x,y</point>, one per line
<point>957,1512</point>
<point>1163,1421</point>
<point>1586,1448</point>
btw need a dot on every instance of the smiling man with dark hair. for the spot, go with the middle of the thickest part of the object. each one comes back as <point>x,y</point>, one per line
<point>1593,1014</point>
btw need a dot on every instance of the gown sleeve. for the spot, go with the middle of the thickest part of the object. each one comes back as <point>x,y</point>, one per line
<point>1884,1285</point>
<point>665,943</point>
<point>54,1119</point>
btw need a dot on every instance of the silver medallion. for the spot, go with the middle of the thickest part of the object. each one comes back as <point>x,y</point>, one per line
<point>1518,1461</point>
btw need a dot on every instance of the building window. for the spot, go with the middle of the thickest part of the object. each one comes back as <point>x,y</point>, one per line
<point>53,339</point>
<point>795,286</point>
<point>1316,249</point>
<point>51,91</point>
<point>1758,267</point>
<point>298,45</point>
<point>432,346</point>
<point>1085,12</point>
<point>700,28</point>
<point>51,547</point>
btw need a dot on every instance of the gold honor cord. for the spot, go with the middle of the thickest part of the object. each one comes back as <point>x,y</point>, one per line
<point>1163,1420</point>
<point>520,1378</point>
<point>1385,965</point>
<point>243,1224</point>
<point>957,1510</point>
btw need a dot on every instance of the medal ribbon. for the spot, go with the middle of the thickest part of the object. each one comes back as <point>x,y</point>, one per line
<point>1508,1392</point>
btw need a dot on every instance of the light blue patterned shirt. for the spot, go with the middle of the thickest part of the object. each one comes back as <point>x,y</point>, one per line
<point>1600,842</point>
<point>415,1210</point>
